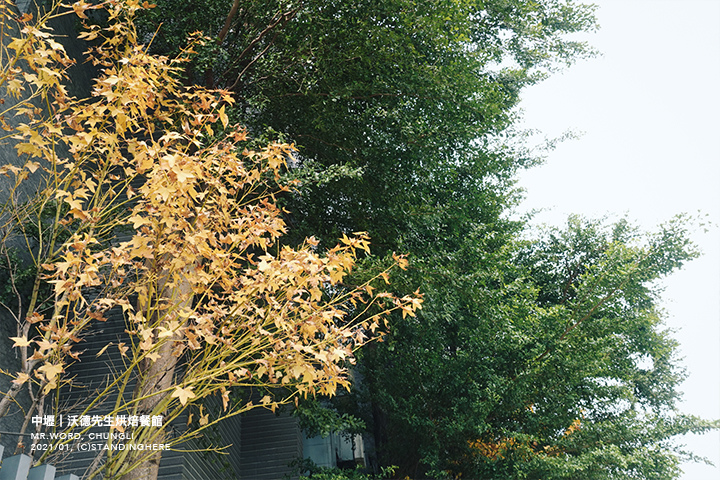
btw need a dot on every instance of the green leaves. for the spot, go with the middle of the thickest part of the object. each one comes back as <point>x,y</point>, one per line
<point>538,359</point>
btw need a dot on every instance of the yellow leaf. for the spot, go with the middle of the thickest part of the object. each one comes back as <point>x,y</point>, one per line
<point>146,345</point>
<point>48,387</point>
<point>9,168</point>
<point>402,262</point>
<point>183,394</point>
<point>112,80</point>
<point>37,356</point>
<point>88,35</point>
<point>223,116</point>
<point>21,341</point>
<point>55,45</point>
<point>336,275</point>
<point>164,332</point>
<point>21,378</point>
<point>15,87</point>
<point>45,345</point>
<point>138,221</point>
<point>225,397</point>
<point>50,371</point>
<point>74,204</point>
<point>28,148</point>
<point>79,8</point>
<point>182,175</point>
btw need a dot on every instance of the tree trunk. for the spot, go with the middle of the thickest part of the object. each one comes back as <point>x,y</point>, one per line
<point>159,375</point>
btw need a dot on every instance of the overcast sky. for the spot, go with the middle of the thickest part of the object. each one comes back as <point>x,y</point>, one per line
<point>650,112</point>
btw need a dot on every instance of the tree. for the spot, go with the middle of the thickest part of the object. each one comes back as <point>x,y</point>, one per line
<point>212,302</point>
<point>543,359</point>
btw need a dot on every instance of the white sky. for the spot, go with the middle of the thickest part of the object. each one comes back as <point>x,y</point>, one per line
<point>650,112</point>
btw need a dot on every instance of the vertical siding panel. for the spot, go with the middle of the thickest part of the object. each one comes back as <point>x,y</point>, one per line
<point>269,443</point>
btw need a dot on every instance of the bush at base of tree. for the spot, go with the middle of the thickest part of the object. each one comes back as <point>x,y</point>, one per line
<point>308,470</point>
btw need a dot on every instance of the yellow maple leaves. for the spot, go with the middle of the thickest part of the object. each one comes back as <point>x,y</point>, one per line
<point>20,341</point>
<point>50,371</point>
<point>183,394</point>
<point>21,378</point>
<point>50,374</point>
<point>162,164</point>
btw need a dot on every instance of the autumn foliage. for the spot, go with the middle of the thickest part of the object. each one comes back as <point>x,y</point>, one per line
<point>161,207</point>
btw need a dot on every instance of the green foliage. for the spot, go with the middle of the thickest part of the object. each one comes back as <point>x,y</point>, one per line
<point>309,471</point>
<point>532,354</point>
<point>319,420</point>
<point>21,255</point>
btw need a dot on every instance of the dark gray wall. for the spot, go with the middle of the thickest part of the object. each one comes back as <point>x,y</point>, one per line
<point>269,443</point>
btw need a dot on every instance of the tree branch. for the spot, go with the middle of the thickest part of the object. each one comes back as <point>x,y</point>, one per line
<point>279,19</point>
<point>228,21</point>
